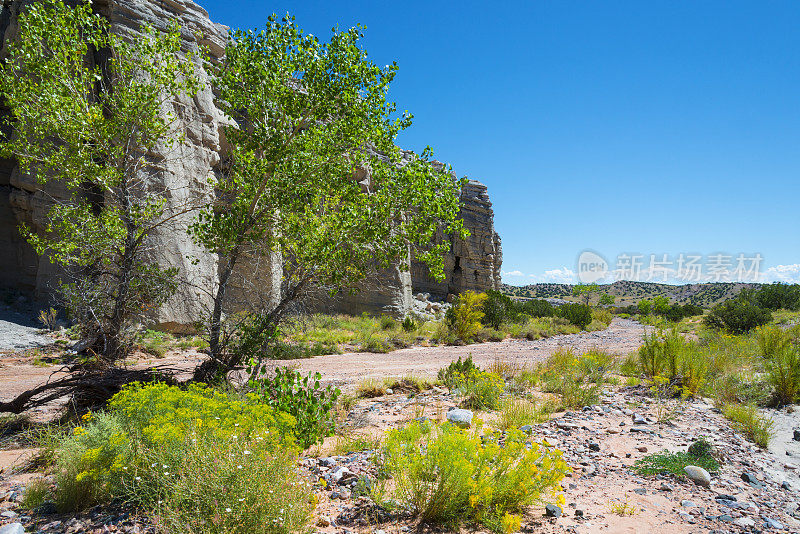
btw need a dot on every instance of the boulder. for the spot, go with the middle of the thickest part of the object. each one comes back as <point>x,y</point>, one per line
<point>698,475</point>
<point>460,417</point>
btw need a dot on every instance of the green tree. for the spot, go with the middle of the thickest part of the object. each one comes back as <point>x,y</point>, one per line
<point>314,176</point>
<point>87,111</point>
<point>586,291</point>
<point>645,307</point>
<point>661,305</point>
<point>607,300</point>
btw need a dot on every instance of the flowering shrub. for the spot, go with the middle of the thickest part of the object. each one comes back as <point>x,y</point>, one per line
<point>481,390</point>
<point>162,415</point>
<point>444,474</point>
<point>578,378</point>
<point>450,374</point>
<point>463,318</point>
<point>202,460</point>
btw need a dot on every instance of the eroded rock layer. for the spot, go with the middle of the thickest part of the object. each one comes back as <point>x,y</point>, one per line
<point>473,264</point>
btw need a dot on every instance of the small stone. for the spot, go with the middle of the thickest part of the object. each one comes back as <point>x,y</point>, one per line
<point>785,485</point>
<point>342,475</point>
<point>666,487</point>
<point>389,391</point>
<point>751,479</point>
<point>323,521</point>
<point>640,491</point>
<point>344,494</point>
<point>796,436</point>
<point>641,449</point>
<point>687,504</point>
<point>9,514</point>
<point>551,510</point>
<point>745,522</point>
<point>698,475</point>
<point>526,429</point>
<point>460,417</point>
<point>578,512</point>
<point>773,523</point>
<point>638,419</point>
<point>593,446</point>
<point>12,528</point>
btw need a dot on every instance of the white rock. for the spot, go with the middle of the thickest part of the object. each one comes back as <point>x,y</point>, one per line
<point>12,528</point>
<point>698,475</point>
<point>460,417</point>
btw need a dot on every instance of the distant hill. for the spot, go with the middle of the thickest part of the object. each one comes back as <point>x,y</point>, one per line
<point>628,292</point>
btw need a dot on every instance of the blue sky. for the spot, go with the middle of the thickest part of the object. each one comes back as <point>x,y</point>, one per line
<point>621,127</point>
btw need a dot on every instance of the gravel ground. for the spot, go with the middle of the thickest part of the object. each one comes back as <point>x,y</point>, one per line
<point>19,331</point>
<point>621,337</point>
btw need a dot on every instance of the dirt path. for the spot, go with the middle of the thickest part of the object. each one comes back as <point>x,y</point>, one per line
<point>621,337</point>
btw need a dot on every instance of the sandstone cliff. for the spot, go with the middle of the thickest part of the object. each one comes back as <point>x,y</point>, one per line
<point>473,264</point>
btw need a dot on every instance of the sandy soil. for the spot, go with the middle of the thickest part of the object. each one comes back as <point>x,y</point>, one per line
<point>600,444</point>
<point>622,336</point>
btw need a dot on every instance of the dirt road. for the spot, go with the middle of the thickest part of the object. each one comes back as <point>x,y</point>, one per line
<point>622,337</point>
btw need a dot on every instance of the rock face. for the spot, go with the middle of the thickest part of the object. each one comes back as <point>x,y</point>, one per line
<point>474,263</point>
<point>184,172</point>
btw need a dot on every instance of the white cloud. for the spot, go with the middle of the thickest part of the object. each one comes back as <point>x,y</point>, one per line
<point>563,275</point>
<point>789,274</point>
<point>513,273</point>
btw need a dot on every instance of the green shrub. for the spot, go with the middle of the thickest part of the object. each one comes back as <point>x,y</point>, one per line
<point>463,318</point>
<point>749,422</point>
<point>409,324</point>
<point>602,316</point>
<point>233,488</point>
<point>450,374</point>
<point>300,396</point>
<point>136,450</point>
<point>515,413</point>
<point>676,312</point>
<point>497,309</point>
<point>777,296</point>
<point>737,316</point>
<point>783,370</point>
<point>578,314</point>
<point>674,462</point>
<point>772,340</point>
<point>349,443</point>
<point>377,345</point>
<point>387,323</point>
<point>489,334</point>
<point>663,353</point>
<point>577,378</point>
<point>630,365</point>
<point>481,390</point>
<point>371,387</point>
<point>37,491</point>
<point>446,475</point>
